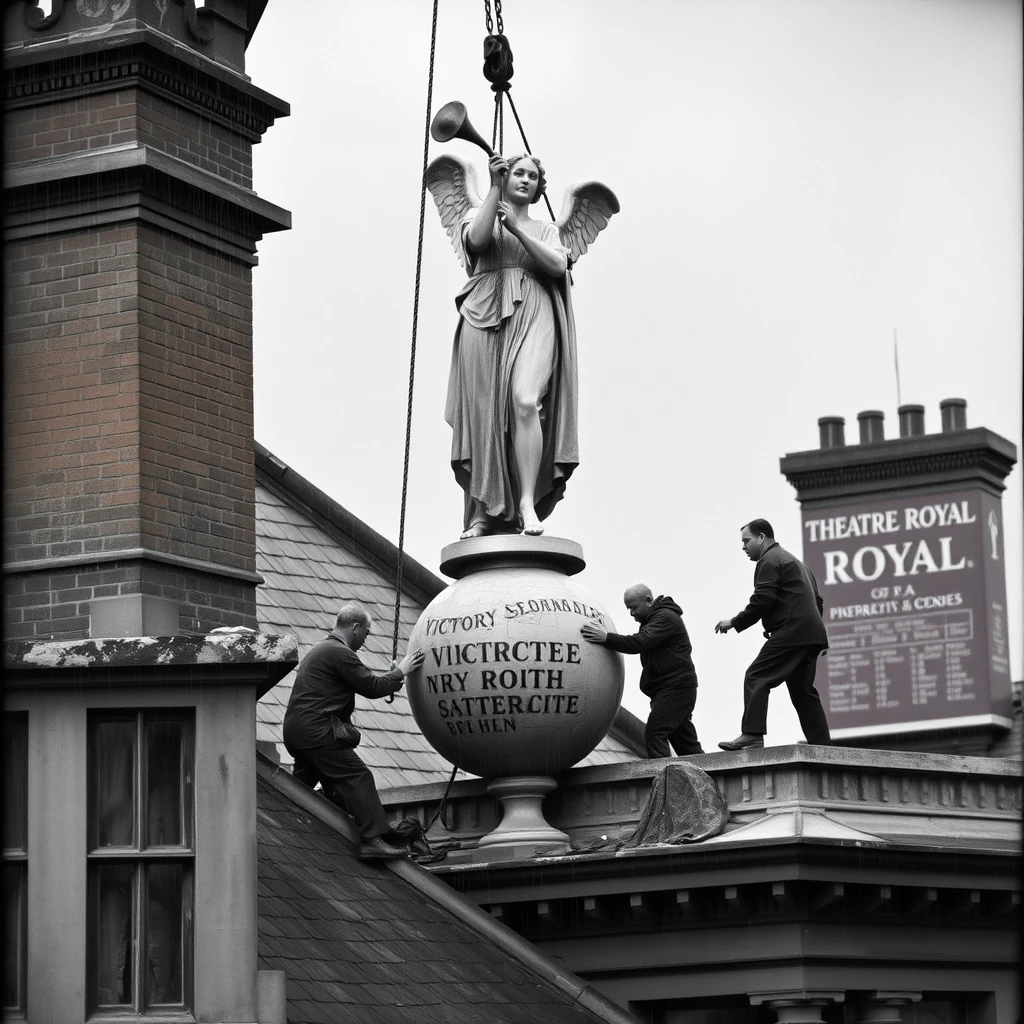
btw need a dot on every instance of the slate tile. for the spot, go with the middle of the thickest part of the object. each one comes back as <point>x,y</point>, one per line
<point>305,1011</point>
<point>402,1014</point>
<point>343,994</point>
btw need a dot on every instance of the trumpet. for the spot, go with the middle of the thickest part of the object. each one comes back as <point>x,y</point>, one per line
<point>452,122</point>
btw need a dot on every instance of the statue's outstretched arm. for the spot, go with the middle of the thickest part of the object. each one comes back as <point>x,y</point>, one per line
<point>549,259</point>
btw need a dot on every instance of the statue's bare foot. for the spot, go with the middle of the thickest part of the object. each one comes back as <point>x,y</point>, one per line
<point>477,528</point>
<point>531,524</point>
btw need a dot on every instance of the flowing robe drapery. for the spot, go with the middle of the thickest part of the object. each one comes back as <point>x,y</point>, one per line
<point>506,299</point>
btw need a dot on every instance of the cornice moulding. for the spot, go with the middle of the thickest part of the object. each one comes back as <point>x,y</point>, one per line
<point>70,67</point>
<point>971,457</point>
<point>125,182</point>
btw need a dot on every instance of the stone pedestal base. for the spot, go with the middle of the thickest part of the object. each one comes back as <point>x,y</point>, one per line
<point>802,1007</point>
<point>522,821</point>
<point>886,1007</point>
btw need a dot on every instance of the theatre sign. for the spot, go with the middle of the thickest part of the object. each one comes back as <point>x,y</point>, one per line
<point>915,609</point>
<point>905,538</point>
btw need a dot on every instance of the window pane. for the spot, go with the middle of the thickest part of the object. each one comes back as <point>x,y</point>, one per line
<point>114,941</point>
<point>163,783</point>
<point>113,780</point>
<point>163,933</point>
<point>13,935</point>
<point>15,781</point>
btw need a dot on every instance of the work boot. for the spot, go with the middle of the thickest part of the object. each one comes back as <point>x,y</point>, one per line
<point>744,741</point>
<point>377,849</point>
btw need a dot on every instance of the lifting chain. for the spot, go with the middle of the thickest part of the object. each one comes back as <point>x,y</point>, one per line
<point>497,51</point>
<point>487,16</point>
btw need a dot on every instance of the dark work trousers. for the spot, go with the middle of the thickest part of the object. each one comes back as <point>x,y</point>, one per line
<point>669,722</point>
<point>795,667</point>
<point>346,780</point>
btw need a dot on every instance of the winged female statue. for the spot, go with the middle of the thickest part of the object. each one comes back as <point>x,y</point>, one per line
<point>512,389</point>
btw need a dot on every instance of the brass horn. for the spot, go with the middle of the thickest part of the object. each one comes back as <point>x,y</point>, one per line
<point>452,122</point>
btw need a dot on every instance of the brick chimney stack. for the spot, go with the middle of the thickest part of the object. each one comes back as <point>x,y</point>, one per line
<point>130,236</point>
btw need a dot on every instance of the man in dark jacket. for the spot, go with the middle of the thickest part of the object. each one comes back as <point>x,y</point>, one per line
<point>787,602</point>
<point>328,679</point>
<point>668,676</point>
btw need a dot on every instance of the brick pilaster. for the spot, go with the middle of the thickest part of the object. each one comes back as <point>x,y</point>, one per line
<point>130,237</point>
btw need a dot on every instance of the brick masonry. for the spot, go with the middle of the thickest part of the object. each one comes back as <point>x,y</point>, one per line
<point>127,399</point>
<point>126,116</point>
<point>55,604</point>
<point>127,368</point>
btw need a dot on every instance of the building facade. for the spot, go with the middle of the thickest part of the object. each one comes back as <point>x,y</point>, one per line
<point>905,537</point>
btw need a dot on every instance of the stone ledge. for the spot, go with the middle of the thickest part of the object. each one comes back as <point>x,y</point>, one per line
<point>264,657</point>
<point>890,796</point>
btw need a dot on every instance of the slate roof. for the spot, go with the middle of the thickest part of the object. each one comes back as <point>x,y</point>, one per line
<point>314,556</point>
<point>385,944</point>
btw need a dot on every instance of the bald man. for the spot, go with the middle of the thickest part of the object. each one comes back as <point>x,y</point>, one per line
<point>668,676</point>
<point>326,684</point>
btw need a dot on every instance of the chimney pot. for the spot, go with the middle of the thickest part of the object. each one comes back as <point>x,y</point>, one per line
<point>954,415</point>
<point>831,431</point>
<point>872,426</point>
<point>911,420</point>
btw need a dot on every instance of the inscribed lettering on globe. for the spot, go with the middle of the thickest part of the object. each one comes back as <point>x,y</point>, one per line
<point>915,609</point>
<point>508,685</point>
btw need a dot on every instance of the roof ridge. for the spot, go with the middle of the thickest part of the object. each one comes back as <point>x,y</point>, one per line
<point>510,943</point>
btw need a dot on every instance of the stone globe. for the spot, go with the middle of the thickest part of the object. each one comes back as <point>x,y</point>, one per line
<point>509,687</point>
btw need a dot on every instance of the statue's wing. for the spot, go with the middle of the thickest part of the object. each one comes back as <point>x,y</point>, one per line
<point>586,210</point>
<point>452,183</point>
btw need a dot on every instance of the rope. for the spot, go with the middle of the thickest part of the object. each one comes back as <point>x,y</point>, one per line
<point>498,71</point>
<point>412,354</point>
<point>526,146</point>
<point>441,805</point>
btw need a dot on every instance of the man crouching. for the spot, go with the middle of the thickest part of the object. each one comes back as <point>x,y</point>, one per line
<point>323,698</point>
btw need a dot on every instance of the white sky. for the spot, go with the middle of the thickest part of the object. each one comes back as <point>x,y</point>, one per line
<point>797,179</point>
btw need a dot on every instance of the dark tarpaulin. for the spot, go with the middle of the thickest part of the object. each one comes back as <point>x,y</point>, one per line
<point>683,806</point>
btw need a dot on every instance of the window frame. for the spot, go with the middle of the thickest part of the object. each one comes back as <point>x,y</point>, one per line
<point>142,856</point>
<point>14,859</point>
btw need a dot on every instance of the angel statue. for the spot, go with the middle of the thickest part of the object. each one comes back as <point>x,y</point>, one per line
<point>512,388</point>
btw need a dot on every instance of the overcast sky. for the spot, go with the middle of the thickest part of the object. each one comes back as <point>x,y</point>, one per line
<point>797,180</point>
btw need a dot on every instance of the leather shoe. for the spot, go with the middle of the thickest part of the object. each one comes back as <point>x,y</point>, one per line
<point>377,849</point>
<point>745,740</point>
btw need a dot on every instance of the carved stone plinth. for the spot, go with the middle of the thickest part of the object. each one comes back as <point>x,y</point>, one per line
<point>802,1007</point>
<point>522,822</point>
<point>509,689</point>
<point>885,1007</point>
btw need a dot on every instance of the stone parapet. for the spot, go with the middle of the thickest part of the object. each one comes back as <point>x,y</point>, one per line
<point>887,795</point>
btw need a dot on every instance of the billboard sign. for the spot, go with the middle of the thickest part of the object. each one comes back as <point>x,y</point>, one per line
<point>915,609</point>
